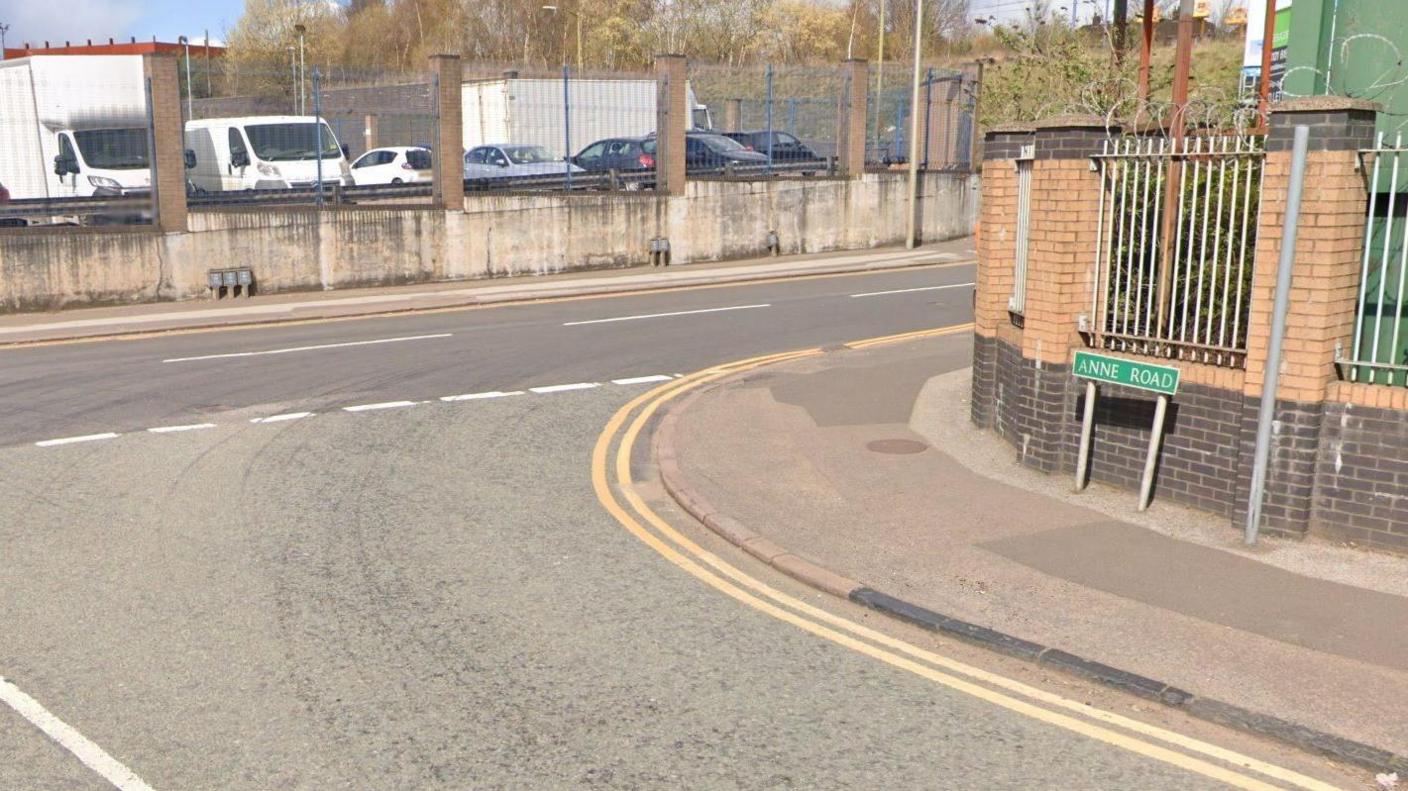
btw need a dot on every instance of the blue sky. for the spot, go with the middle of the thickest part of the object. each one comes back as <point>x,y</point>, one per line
<point>76,20</point>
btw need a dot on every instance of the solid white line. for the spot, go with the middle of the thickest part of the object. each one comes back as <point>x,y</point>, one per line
<point>640,380</point>
<point>479,396</point>
<point>662,315</point>
<point>49,443</point>
<point>910,290</point>
<point>172,429</point>
<point>92,756</point>
<point>382,405</point>
<point>282,418</point>
<point>308,348</point>
<point>564,388</point>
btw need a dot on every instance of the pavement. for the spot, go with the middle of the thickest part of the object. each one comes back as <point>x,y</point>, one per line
<point>100,322</point>
<point>862,467</point>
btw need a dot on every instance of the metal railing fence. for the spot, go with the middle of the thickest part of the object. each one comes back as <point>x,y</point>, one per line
<point>1378,353</point>
<point>1177,238</point>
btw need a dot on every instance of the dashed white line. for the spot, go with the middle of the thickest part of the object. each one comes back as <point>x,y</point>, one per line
<point>382,405</point>
<point>640,380</point>
<point>911,290</point>
<point>283,417</point>
<point>174,429</point>
<point>663,315</point>
<point>480,396</point>
<point>49,443</point>
<point>92,756</point>
<point>565,388</point>
<point>308,348</point>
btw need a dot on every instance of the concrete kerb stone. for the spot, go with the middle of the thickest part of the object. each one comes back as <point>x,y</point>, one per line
<point>1209,709</point>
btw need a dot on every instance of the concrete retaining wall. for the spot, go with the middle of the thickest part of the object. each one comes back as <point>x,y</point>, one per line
<point>496,235</point>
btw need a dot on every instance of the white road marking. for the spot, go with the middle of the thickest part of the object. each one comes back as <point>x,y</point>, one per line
<point>308,348</point>
<point>911,290</point>
<point>565,388</point>
<point>382,405</point>
<point>479,396</point>
<point>173,429</point>
<point>640,380</point>
<point>662,315</point>
<point>283,417</point>
<point>92,756</point>
<point>49,443</point>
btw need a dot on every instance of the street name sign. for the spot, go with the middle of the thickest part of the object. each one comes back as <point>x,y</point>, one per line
<point>1160,379</point>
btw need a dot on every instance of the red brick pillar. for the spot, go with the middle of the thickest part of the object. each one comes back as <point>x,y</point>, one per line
<point>168,155</point>
<point>1003,147</point>
<point>1323,300</point>
<point>448,158</point>
<point>672,120</point>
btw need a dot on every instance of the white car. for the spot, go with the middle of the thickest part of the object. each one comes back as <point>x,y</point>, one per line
<point>392,165</point>
<point>485,163</point>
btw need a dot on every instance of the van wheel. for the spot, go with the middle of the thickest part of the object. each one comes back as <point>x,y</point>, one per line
<point>395,181</point>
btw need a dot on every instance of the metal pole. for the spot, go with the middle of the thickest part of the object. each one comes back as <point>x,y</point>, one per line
<point>567,126</point>
<point>880,73</point>
<point>302,77</point>
<point>293,75</point>
<point>318,128</point>
<point>1267,411</point>
<point>767,79</point>
<point>578,14</point>
<point>208,91</point>
<point>190,114</point>
<point>928,112</point>
<point>911,238</point>
<point>1087,426</point>
<point>1146,484</point>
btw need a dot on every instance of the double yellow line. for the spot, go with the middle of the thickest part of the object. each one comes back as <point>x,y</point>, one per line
<point>613,484</point>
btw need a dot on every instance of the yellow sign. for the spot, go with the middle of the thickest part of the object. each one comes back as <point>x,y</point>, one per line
<point>1235,17</point>
<point>1203,9</point>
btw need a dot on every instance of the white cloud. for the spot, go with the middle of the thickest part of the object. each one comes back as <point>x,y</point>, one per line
<point>58,21</point>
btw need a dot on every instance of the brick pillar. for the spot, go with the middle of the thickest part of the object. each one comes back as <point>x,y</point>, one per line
<point>997,259</point>
<point>1065,203</point>
<point>733,111</point>
<point>448,159</point>
<point>671,122</point>
<point>850,131</point>
<point>1324,292</point>
<point>168,143</point>
<point>371,133</point>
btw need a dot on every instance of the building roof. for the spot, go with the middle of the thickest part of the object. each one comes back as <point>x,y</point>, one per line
<point>130,47</point>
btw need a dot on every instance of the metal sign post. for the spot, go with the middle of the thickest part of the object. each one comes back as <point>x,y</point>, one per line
<point>1160,379</point>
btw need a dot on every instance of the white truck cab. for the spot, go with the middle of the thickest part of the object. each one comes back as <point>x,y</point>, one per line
<point>264,152</point>
<point>102,162</point>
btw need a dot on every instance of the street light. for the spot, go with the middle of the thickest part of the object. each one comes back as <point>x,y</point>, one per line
<point>302,101</point>
<point>578,17</point>
<point>185,42</point>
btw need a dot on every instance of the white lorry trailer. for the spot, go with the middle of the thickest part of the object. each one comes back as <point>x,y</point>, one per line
<point>535,112</point>
<point>73,126</point>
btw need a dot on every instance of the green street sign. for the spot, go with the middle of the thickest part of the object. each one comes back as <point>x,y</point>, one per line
<point>1119,371</point>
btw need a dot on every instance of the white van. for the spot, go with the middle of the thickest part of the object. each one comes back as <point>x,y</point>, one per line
<point>102,162</point>
<point>264,152</point>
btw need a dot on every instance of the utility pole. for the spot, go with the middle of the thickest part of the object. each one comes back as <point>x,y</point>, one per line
<point>912,237</point>
<point>1268,34</point>
<point>302,97</point>
<point>1121,23</point>
<point>1182,66</point>
<point>1183,63</point>
<point>185,42</point>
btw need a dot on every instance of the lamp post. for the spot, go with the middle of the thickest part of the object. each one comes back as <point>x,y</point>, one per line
<point>3,30</point>
<point>578,17</point>
<point>185,42</point>
<point>293,75</point>
<point>302,101</point>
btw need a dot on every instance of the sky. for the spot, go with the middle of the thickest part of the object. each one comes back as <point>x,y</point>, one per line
<point>77,20</point>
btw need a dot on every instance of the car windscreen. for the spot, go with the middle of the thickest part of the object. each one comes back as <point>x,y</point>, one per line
<point>418,158</point>
<point>287,142</point>
<point>527,155</point>
<point>721,143</point>
<point>113,149</point>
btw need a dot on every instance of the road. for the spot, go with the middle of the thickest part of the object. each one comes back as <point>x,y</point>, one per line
<point>386,589</point>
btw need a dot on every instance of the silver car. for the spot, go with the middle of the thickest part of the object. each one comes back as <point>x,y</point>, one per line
<point>487,163</point>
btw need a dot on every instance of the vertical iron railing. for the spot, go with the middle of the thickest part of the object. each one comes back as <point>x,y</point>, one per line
<point>1379,350</point>
<point>1197,309</point>
<point>318,128</point>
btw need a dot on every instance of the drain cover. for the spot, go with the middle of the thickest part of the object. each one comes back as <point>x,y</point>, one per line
<point>896,446</point>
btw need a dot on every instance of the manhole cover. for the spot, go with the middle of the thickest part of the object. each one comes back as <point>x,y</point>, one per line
<point>896,446</point>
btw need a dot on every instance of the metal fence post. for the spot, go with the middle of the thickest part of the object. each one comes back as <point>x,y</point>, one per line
<point>768,108</point>
<point>928,112</point>
<point>567,125</point>
<point>1267,411</point>
<point>318,128</point>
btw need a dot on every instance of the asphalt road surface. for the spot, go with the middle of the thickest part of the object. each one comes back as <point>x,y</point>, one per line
<point>425,593</point>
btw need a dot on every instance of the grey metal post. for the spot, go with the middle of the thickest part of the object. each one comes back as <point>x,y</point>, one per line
<point>318,128</point>
<point>1151,458</point>
<point>928,112</point>
<point>911,239</point>
<point>1284,266</point>
<point>567,124</point>
<point>1087,425</point>
<point>768,109</point>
